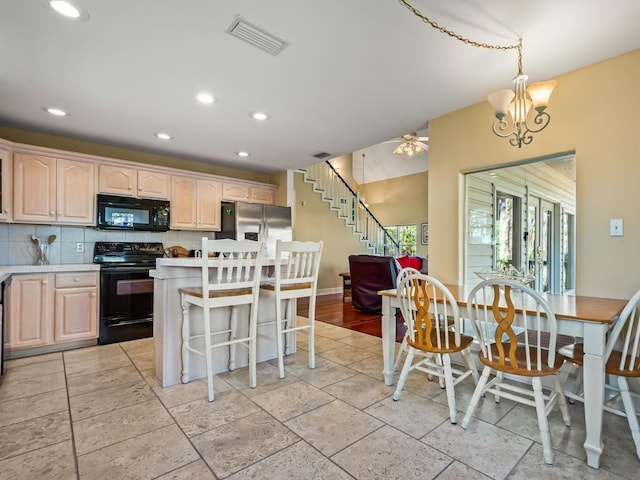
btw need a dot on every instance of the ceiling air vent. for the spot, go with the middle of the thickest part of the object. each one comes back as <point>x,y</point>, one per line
<point>256,36</point>
<point>321,155</point>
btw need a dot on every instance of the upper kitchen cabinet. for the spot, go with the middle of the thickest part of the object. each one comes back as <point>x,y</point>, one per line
<point>153,184</point>
<point>118,180</point>
<point>48,190</point>
<point>195,204</point>
<point>238,192</point>
<point>235,192</point>
<point>5,186</point>
<point>264,195</point>
<point>130,182</point>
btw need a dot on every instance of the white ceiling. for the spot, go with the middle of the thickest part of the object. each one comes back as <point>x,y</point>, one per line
<point>355,72</point>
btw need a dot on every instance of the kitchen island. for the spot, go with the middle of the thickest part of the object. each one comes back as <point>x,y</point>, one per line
<point>169,276</point>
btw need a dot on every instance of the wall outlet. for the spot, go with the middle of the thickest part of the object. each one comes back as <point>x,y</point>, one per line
<point>79,247</point>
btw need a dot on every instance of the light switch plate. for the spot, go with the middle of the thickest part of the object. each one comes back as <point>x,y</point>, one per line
<point>616,227</point>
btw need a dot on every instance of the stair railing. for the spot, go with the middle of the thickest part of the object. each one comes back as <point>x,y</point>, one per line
<point>343,199</point>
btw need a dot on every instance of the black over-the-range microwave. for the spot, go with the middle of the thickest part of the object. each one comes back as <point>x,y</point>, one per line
<point>126,213</point>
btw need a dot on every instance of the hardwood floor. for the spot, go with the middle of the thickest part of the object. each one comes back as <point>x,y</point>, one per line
<point>331,309</point>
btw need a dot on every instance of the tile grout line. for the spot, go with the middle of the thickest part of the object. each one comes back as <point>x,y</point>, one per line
<point>71,429</point>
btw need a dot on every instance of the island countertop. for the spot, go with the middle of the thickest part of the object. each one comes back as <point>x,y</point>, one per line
<point>190,262</point>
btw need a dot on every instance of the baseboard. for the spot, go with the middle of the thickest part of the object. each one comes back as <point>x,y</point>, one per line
<point>329,291</point>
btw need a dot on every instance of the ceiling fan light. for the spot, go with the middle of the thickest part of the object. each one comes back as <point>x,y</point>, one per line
<point>399,150</point>
<point>418,149</point>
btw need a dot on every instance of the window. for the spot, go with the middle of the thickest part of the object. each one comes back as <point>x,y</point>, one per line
<point>507,231</point>
<point>406,236</point>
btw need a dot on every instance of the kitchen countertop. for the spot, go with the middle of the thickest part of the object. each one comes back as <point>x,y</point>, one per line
<point>7,270</point>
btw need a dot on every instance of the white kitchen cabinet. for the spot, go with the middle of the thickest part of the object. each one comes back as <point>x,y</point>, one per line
<point>235,192</point>
<point>195,204</point>
<point>262,195</point>
<point>116,180</point>
<point>131,182</point>
<point>239,192</point>
<point>51,309</point>
<point>50,190</point>
<point>153,184</point>
<point>29,313</point>
<point>5,186</point>
<point>76,306</point>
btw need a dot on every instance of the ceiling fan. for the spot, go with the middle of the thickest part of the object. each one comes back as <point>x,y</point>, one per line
<point>410,144</point>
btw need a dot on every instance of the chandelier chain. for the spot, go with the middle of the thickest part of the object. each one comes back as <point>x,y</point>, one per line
<point>463,39</point>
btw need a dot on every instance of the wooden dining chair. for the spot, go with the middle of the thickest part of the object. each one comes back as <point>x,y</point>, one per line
<point>403,346</point>
<point>494,308</point>
<point>233,281</point>
<point>433,325</point>
<point>622,361</point>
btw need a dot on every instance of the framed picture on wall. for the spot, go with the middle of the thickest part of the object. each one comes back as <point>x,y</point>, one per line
<point>424,240</point>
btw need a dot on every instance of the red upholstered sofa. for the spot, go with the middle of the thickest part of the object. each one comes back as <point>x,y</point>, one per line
<point>418,263</point>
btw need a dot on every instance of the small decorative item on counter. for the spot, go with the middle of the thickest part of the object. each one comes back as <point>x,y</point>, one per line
<point>42,249</point>
<point>178,251</point>
<point>508,273</point>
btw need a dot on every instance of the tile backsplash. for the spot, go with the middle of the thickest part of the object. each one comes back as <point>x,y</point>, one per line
<point>17,248</point>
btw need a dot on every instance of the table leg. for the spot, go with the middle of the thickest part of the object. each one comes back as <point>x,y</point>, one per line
<point>388,339</point>
<point>594,347</point>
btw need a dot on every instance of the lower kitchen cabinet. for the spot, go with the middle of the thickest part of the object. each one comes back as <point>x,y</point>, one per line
<point>51,308</point>
<point>76,306</point>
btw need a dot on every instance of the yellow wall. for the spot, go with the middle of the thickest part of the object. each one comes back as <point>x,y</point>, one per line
<point>594,112</point>
<point>400,201</point>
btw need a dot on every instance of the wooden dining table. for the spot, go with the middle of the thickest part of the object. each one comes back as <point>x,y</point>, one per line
<point>588,318</point>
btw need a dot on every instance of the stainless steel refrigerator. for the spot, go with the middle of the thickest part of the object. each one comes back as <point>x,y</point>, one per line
<point>254,221</point>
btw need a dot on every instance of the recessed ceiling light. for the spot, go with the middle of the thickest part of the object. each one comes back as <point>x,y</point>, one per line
<point>164,136</point>
<point>56,111</point>
<point>68,9</point>
<point>205,98</point>
<point>243,154</point>
<point>260,116</point>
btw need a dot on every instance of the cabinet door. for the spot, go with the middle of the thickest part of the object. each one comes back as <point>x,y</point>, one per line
<point>75,192</point>
<point>235,192</point>
<point>209,198</point>
<point>34,188</point>
<point>153,184</point>
<point>183,202</point>
<point>5,186</point>
<point>263,195</point>
<point>76,314</point>
<point>118,180</point>
<point>30,322</point>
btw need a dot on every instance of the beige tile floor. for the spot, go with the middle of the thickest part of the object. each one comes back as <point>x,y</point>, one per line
<point>98,413</point>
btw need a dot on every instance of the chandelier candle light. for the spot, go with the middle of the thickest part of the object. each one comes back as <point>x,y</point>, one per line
<point>511,108</point>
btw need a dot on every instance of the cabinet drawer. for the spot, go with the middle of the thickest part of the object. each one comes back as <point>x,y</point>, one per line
<point>76,279</point>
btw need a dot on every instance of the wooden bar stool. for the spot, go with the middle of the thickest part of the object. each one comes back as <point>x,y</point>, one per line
<point>231,272</point>
<point>296,276</point>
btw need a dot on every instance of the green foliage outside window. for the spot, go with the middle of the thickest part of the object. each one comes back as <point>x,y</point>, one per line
<point>406,236</point>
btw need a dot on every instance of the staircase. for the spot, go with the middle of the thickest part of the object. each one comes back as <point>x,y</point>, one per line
<point>349,207</point>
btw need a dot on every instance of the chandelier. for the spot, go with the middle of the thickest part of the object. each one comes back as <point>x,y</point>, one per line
<point>411,145</point>
<point>518,114</point>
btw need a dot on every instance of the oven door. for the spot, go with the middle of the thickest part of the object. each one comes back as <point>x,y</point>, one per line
<point>126,304</point>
